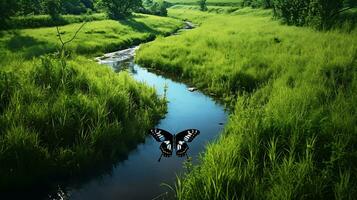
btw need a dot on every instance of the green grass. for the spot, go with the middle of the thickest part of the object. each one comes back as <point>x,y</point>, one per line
<point>36,21</point>
<point>60,119</point>
<point>63,118</point>
<point>95,38</point>
<point>209,2</point>
<point>210,9</point>
<point>292,132</point>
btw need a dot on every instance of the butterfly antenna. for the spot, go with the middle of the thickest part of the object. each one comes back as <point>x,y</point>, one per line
<point>159,158</point>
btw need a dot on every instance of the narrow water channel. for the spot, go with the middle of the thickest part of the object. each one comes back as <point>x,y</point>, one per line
<point>140,176</point>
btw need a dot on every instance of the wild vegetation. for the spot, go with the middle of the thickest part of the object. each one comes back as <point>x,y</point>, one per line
<point>41,13</point>
<point>63,117</point>
<point>320,14</point>
<point>292,130</point>
<point>95,38</point>
<point>58,119</point>
<point>209,2</point>
<point>290,89</point>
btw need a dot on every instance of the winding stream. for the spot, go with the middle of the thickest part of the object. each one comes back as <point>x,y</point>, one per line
<point>141,175</point>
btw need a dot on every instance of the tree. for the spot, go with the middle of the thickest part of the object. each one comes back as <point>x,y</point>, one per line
<point>8,8</point>
<point>118,9</point>
<point>203,5</point>
<point>73,7</point>
<point>53,8</point>
<point>317,13</point>
<point>321,12</point>
<point>30,7</point>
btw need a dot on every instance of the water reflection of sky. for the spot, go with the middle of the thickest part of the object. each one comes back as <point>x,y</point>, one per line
<point>140,176</point>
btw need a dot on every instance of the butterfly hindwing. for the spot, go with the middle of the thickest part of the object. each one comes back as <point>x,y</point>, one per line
<point>166,148</point>
<point>181,148</point>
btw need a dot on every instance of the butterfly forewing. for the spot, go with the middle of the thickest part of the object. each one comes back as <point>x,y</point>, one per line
<point>166,138</point>
<point>187,135</point>
<point>161,135</point>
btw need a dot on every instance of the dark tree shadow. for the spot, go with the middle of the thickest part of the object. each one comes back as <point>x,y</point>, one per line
<point>138,26</point>
<point>18,42</point>
<point>29,46</point>
<point>346,21</point>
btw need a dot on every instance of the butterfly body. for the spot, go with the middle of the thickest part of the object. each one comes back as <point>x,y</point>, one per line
<point>174,143</point>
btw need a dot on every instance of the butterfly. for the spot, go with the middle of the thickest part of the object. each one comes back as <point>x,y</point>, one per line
<point>170,142</point>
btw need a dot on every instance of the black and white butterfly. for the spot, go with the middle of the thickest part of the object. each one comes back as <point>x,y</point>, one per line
<point>177,142</point>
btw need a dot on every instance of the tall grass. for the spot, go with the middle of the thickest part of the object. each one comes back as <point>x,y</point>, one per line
<point>292,91</point>
<point>61,118</point>
<point>58,120</point>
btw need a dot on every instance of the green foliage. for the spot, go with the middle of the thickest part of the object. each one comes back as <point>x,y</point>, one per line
<point>203,5</point>
<point>155,7</point>
<point>292,130</point>
<point>53,8</point>
<point>209,2</point>
<point>118,9</point>
<point>96,38</point>
<point>321,14</point>
<point>73,7</point>
<point>7,9</point>
<point>35,21</point>
<point>35,7</point>
<point>318,13</point>
<point>31,7</point>
<point>60,118</point>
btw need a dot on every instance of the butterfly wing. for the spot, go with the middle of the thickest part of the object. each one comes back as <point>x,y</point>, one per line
<point>166,148</point>
<point>181,148</point>
<point>160,135</point>
<point>187,135</point>
<point>181,141</point>
<point>166,138</point>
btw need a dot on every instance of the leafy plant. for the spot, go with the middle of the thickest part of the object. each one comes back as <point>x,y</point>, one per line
<point>118,9</point>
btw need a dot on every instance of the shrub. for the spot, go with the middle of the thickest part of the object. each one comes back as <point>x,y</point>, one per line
<point>118,9</point>
<point>203,5</point>
<point>317,13</point>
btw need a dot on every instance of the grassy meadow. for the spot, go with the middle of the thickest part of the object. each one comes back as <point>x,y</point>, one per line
<point>209,2</point>
<point>36,21</point>
<point>96,37</point>
<point>63,117</point>
<point>292,131</point>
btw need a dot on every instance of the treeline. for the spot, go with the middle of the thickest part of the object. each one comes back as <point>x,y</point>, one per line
<point>318,13</point>
<point>157,7</point>
<point>36,7</point>
<point>115,9</point>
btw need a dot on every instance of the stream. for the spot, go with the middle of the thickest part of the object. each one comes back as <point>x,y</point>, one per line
<point>140,176</point>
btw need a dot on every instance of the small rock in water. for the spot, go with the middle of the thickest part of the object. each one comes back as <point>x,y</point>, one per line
<point>221,123</point>
<point>192,89</point>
